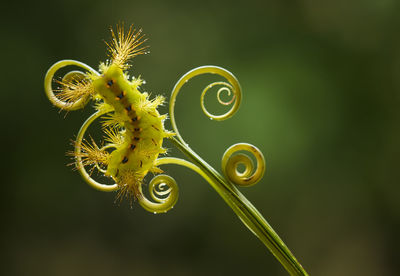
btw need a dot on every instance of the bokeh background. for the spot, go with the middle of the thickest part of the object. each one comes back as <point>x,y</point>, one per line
<point>321,100</point>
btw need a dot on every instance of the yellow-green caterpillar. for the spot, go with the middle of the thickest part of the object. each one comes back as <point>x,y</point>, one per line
<point>132,124</point>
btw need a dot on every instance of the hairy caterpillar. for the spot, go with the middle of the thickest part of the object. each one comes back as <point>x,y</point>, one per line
<point>131,124</point>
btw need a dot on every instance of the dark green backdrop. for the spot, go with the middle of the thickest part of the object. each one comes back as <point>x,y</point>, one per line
<point>321,100</point>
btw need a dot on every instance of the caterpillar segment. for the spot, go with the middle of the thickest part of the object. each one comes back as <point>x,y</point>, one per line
<point>132,124</point>
<point>140,125</point>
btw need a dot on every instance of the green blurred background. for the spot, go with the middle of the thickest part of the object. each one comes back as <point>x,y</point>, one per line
<point>321,95</point>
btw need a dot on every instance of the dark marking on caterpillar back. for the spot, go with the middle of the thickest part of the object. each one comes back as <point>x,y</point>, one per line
<point>110,83</point>
<point>124,101</point>
<point>120,96</point>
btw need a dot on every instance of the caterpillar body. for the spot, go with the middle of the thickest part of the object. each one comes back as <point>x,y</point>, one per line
<point>132,124</point>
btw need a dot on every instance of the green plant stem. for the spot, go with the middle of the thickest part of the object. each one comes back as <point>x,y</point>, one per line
<point>248,214</point>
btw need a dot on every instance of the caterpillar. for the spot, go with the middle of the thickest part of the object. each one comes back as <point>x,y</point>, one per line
<point>131,122</point>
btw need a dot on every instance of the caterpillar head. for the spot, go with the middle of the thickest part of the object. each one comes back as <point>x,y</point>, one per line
<point>76,89</point>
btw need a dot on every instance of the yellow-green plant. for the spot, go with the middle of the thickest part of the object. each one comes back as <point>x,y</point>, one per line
<point>134,133</point>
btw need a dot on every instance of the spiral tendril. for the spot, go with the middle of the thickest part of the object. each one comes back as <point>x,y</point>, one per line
<point>80,166</point>
<point>230,165</point>
<point>222,89</point>
<point>98,167</point>
<point>232,86</point>
<point>69,76</point>
<point>164,191</point>
<point>228,88</point>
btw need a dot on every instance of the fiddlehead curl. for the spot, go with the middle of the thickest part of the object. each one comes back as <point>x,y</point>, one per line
<point>73,75</point>
<point>230,164</point>
<point>231,87</point>
<point>164,192</point>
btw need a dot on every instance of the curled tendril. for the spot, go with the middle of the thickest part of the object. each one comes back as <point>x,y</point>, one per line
<point>232,86</point>
<point>164,191</point>
<point>80,166</point>
<point>162,188</point>
<point>222,89</point>
<point>230,165</point>
<point>228,88</point>
<point>103,149</point>
<point>71,75</point>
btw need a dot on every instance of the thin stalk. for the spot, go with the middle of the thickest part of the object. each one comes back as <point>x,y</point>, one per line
<point>248,214</point>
